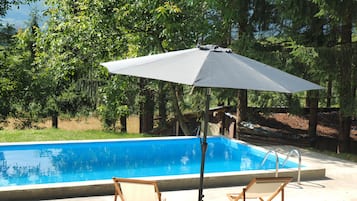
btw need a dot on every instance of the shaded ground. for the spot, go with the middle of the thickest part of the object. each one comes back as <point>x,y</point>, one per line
<point>289,124</point>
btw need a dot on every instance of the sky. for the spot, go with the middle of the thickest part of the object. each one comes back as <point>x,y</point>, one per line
<point>20,16</point>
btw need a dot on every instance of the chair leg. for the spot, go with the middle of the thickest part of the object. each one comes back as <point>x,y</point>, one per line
<point>243,194</point>
<point>282,194</point>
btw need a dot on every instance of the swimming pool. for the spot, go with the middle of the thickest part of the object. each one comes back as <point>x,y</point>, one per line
<point>44,163</point>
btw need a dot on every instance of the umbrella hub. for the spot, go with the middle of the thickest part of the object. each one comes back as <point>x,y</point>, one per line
<point>214,48</point>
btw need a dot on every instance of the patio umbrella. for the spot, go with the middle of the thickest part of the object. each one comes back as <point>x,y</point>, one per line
<point>210,67</point>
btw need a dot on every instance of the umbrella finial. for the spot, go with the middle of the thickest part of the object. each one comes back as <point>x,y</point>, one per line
<point>207,47</point>
<point>214,48</point>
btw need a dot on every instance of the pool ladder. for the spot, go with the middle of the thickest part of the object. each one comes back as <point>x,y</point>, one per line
<point>293,151</point>
<point>298,154</point>
<point>276,161</point>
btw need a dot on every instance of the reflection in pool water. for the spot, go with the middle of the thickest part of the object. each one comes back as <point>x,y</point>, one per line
<point>23,164</point>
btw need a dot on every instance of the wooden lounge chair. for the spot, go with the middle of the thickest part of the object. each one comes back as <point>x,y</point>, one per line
<point>136,190</point>
<point>264,189</point>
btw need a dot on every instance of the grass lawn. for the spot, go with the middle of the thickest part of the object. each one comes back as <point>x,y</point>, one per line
<point>60,134</point>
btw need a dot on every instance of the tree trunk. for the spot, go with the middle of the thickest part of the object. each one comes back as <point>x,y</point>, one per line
<point>162,100</point>
<point>55,120</point>
<point>345,84</point>
<point>148,115</point>
<point>123,124</point>
<point>147,109</point>
<point>329,92</point>
<point>313,109</point>
<point>242,108</point>
<point>344,141</point>
<point>354,81</point>
<point>317,39</point>
<point>245,32</point>
<point>179,116</point>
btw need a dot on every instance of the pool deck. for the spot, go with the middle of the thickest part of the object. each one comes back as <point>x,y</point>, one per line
<point>339,184</point>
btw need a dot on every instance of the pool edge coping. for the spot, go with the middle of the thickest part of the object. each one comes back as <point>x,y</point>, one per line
<point>166,183</point>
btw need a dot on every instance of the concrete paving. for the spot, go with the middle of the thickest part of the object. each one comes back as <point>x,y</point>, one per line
<point>340,183</point>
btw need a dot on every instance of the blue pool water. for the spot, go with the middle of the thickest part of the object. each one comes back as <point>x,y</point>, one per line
<point>25,164</point>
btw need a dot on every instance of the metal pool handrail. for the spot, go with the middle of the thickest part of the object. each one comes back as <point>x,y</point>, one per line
<point>276,161</point>
<point>298,154</point>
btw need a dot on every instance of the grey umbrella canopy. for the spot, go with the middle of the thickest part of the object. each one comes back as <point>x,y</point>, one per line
<point>211,67</point>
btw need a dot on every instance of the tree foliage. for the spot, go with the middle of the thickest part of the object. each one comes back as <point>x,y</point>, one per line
<point>56,69</point>
<point>7,4</point>
<point>79,35</point>
<point>21,81</point>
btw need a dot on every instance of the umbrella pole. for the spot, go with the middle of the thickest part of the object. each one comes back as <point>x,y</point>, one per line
<point>204,144</point>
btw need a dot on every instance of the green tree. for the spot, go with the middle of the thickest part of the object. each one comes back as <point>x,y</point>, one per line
<point>7,82</point>
<point>6,33</point>
<point>79,35</point>
<point>7,4</point>
<point>160,26</point>
<point>115,102</point>
<point>244,19</point>
<point>341,16</point>
<point>300,23</point>
<point>20,77</point>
